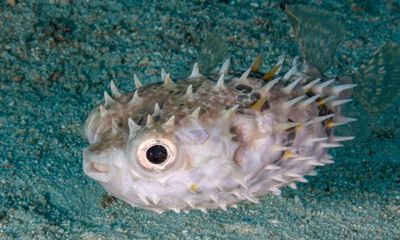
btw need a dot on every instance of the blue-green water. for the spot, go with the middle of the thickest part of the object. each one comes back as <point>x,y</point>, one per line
<point>58,56</point>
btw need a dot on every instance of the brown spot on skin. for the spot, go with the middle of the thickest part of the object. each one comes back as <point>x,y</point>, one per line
<point>235,139</point>
<point>292,129</point>
<point>291,136</point>
<point>310,94</point>
<point>244,88</point>
<point>265,106</point>
<point>256,75</point>
<point>242,97</point>
<point>235,130</point>
<point>323,110</point>
<point>255,96</point>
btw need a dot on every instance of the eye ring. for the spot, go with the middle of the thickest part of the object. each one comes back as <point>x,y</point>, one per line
<point>156,154</point>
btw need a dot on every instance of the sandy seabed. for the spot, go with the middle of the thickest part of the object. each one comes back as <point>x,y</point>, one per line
<point>58,56</point>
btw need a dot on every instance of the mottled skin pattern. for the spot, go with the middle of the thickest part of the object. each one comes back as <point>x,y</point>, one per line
<point>230,142</point>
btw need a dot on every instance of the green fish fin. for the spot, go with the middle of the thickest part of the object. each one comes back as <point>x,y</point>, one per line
<point>378,79</point>
<point>212,52</point>
<point>318,34</point>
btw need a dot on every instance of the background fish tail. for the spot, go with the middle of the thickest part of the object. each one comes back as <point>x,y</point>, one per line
<point>378,79</point>
<point>212,52</point>
<point>318,34</point>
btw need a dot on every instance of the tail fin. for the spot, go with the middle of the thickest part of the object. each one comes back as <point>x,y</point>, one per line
<point>318,34</point>
<point>378,79</point>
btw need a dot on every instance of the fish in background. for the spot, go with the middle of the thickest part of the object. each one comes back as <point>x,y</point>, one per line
<point>215,138</point>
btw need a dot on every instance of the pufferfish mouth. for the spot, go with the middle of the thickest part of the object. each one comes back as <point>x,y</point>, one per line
<point>98,170</point>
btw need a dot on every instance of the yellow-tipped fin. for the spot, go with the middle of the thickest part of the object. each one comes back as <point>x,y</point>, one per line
<point>275,69</point>
<point>256,65</point>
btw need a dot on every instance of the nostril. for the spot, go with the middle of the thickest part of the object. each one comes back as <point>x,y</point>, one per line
<point>99,167</point>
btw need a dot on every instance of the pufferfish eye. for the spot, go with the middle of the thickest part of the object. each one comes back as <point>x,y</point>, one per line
<point>156,154</point>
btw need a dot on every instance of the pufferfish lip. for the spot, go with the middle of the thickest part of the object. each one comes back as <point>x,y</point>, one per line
<point>97,169</point>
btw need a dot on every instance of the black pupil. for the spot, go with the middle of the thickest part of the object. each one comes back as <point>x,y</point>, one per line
<point>157,154</point>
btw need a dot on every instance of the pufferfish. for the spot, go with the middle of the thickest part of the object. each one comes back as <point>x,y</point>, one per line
<point>211,140</point>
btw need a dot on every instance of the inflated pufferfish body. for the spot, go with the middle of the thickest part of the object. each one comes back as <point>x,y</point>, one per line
<point>210,141</point>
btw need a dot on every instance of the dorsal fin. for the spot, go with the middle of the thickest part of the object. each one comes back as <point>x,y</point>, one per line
<point>212,52</point>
